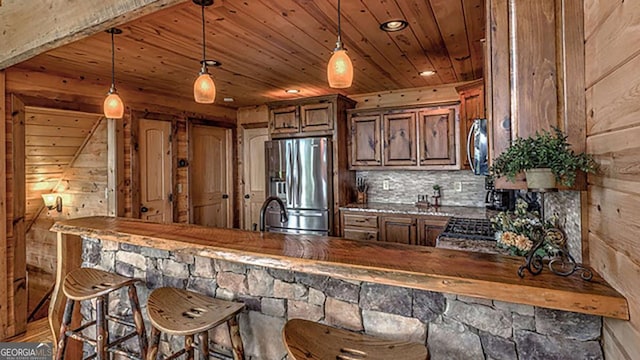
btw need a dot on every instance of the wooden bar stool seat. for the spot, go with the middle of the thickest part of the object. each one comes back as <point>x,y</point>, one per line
<point>87,284</point>
<point>310,340</point>
<point>185,313</point>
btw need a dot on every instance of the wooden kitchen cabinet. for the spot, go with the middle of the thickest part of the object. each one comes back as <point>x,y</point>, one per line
<point>398,230</point>
<point>429,229</point>
<point>365,140</point>
<point>316,117</point>
<point>436,129</point>
<point>284,120</point>
<point>408,138</point>
<point>359,226</point>
<point>408,229</point>
<point>471,108</point>
<point>399,138</point>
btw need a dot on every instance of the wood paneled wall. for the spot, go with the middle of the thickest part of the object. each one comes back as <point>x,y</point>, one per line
<point>612,51</point>
<point>73,162</point>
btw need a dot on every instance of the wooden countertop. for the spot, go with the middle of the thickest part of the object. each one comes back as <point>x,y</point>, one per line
<point>472,274</point>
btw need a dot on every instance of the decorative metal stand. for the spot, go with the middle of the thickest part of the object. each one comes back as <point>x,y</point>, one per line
<point>563,263</point>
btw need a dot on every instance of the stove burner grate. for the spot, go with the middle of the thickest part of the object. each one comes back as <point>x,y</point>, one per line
<point>466,228</point>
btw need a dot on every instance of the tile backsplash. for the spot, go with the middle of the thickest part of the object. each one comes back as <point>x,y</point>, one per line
<point>566,206</point>
<point>405,186</point>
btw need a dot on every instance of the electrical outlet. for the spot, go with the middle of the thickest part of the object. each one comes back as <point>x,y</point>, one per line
<point>457,186</point>
<point>179,188</point>
<point>385,184</point>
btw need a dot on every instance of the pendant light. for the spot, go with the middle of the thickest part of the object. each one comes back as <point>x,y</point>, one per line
<point>340,68</point>
<point>204,90</point>
<point>113,106</point>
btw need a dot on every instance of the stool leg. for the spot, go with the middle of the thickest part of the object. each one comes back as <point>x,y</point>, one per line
<point>236,340</point>
<point>66,321</point>
<point>101,329</point>
<point>188,345</point>
<point>203,339</point>
<point>154,341</point>
<point>137,318</point>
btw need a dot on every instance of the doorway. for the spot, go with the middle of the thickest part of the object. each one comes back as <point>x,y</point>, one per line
<point>210,176</point>
<point>254,175</point>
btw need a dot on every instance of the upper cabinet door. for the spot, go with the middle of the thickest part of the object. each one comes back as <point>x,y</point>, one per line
<point>317,117</point>
<point>437,136</point>
<point>400,139</point>
<point>471,108</point>
<point>365,141</point>
<point>284,120</point>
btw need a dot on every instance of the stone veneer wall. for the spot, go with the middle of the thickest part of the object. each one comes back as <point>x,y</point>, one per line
<point>566,206</point>
<point>453,327</point>
<point>405,186</point>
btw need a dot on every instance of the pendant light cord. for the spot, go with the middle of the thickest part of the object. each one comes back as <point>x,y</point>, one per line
<point>113,61</point>
<point>204,47</point>
<point>339,43</point>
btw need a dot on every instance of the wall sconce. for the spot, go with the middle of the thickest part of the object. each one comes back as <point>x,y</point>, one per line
<point>52,201</point>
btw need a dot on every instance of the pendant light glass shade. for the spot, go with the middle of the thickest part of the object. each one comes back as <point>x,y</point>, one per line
<point>340,70</point>
<point>113,106</point>
<point>340,67</point>
<point>204,90</point>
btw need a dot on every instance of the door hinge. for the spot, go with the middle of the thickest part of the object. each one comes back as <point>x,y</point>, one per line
<point>171,197</point>
<point>170,137</point>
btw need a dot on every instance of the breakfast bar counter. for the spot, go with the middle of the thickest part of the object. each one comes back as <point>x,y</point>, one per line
<point>454,274</point>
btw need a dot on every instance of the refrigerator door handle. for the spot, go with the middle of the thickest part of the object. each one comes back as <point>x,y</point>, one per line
<point>289,179</point>
<point>298,176</point>
<point>469,137</point>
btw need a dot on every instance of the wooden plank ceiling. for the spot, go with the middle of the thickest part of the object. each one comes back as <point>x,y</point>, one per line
<point>268,46</point>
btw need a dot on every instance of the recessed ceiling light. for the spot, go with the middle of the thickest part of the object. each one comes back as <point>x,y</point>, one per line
<point>393,25</point>
<point>228,99</point>
<point>427,73</point>
<point>292,91</point>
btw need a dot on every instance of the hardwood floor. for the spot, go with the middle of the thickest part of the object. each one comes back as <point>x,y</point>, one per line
<point>37,331</point>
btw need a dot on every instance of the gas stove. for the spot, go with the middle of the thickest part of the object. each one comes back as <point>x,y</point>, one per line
<point>466,228</point>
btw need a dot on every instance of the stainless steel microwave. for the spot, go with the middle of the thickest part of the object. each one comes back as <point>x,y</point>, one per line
<point>478,138</point>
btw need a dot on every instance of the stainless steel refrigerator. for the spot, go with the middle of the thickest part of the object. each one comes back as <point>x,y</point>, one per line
<point>299,172</point>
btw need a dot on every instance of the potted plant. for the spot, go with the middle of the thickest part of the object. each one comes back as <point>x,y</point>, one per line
<point>545,158</point>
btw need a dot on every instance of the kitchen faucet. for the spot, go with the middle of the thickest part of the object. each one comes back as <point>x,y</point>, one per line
<point>263,210</point>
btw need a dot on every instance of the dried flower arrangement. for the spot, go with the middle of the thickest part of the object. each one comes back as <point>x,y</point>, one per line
<point>520,230</point>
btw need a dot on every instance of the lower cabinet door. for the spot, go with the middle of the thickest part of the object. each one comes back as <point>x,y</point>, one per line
<point>360,234</point>
<point>398,230</point>
<point>429,230</point>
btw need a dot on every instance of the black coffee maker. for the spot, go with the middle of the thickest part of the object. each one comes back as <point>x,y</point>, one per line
<point>498,199</point>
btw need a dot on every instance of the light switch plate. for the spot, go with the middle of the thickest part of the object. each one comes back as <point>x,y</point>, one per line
<point>385,184</point>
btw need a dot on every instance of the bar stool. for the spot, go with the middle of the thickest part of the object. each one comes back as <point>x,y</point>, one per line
<point>87,284</point>
<point>185,313</point>
<point>309,340</point>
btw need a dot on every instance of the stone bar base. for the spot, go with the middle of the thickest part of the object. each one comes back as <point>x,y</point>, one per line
<point>453,327</point>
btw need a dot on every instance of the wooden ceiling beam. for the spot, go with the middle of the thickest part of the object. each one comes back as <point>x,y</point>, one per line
<point>27,30</point>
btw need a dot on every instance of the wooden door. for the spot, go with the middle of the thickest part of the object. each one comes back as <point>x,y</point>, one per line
<point>284,120</point>
<point>437,136</point>
<point>155,171</point>
<point>254,174</point>
<point>398,229</point>
<point>400,139</point>
<point>471,108</point>
<point>429,230</point>
<point>365,141</point>
<point>210,176</point>
<point>317,117</point>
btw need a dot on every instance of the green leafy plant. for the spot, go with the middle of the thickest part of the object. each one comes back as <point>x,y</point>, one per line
<point>544,150</point>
